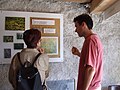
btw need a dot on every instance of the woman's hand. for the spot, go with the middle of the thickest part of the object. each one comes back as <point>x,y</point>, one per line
<point>41,50</point>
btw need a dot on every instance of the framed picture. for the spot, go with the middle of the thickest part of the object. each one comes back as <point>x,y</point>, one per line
<point>50,45</point>
<point>52,36</point>
<point>7,53</point>
<point>7,39</point>
<point>14,23</point>
<point>18,46</point>
<point>19,35</point>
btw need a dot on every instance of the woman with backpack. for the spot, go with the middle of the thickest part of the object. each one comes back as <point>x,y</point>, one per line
<point>32,39</point>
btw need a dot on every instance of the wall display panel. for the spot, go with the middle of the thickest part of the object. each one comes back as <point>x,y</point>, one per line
<point>14,23</point>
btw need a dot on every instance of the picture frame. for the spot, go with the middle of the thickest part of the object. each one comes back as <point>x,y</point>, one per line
<point>7,53</point>
<point>14,23</point>
<point>7,39</point>
<point>50,45</point>
<point>49,26</point>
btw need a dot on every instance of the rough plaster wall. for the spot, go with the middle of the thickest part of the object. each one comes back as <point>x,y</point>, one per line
<point>108,31</point>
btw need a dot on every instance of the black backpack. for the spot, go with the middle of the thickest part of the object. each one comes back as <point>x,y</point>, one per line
<point>28,77</point>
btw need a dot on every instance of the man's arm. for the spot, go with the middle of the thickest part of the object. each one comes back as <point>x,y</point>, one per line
<point>89,73</point>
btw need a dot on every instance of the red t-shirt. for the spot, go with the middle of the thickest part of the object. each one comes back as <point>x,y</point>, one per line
<point>91,54</point>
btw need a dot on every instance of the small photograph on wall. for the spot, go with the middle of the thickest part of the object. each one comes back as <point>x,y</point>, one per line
<point>19,35</point>
<point>15,23</point>
<point>50,45</point>
<point>18,46</point>
<point>7,53</point>
<point>7,39</point>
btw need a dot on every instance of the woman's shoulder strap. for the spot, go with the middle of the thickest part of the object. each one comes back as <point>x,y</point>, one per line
<point>36,58</point>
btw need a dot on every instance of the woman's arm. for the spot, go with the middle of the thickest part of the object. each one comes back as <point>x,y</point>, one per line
<point>12,72</point>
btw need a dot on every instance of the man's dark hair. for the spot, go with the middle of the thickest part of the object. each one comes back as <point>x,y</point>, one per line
<point>84,18</point>
<point>31,37</point>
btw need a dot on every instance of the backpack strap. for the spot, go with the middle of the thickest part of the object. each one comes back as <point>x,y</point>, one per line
<point>18,54</point>
<point>36,58</point>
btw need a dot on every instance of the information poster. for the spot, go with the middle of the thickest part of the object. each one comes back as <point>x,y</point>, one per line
<point>14,23</point>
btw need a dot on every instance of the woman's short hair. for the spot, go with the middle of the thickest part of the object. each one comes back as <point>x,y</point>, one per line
<point>84,18</point>
<point>31,37</point>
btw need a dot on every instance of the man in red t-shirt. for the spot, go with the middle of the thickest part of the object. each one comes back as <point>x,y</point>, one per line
<point>91,64</point>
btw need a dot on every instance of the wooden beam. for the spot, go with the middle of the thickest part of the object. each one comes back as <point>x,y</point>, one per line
<point>112,10</point>
<point>100,5</point>
<point>79,1</point>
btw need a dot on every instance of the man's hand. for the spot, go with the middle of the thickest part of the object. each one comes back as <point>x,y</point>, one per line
<point>75,51</point>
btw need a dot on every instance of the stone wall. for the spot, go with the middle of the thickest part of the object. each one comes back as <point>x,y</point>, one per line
<point>108,30</point>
